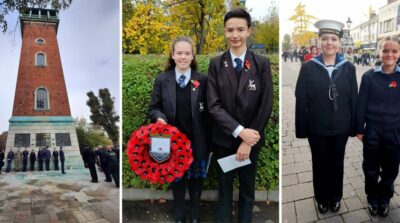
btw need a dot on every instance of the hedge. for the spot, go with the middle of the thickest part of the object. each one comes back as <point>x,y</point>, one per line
<point>139,72</point>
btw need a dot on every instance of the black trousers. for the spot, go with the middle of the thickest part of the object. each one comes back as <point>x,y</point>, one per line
<point>327,161</point>
<point>40,165</point>
<point>32,165</point>
<point>55,162</point>
<point>179,192</point>
<point>24,165</point>
<point>247,179</point>
<point>47,164</point>
<point>93,172</point>
<point>381,154</point>
<point>8,169</point>
<point>106,170</point>
<point>62,166</point>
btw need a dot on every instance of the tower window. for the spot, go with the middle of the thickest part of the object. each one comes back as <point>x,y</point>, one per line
<point>39,41</point>
<point>40,59</point>
<point>42,99</point>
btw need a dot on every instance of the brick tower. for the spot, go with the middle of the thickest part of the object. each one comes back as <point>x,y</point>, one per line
<point>41,114</point>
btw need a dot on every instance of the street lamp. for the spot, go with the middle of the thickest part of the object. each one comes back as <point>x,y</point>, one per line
<point>348,22</point>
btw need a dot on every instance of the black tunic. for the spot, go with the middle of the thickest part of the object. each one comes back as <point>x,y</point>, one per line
<point>315,114</point>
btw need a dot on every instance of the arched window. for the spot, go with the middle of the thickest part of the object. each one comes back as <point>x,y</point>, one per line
<point>41,99</point>
<point>40,59</point>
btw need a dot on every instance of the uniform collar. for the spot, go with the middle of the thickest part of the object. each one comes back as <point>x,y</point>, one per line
<point>379,69</point>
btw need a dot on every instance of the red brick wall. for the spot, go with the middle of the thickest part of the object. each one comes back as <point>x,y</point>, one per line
<point>30,77</point>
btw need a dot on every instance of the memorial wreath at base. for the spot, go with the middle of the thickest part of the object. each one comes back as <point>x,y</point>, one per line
<point>159,153</point>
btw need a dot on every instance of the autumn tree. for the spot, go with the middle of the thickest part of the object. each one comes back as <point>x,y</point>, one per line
<point>103,113</point>
<point>267,31</point>
<point>286,43</point>
<point>89,134</point>
<point>301,33</point>
<point>202,19</point>
<point>149,31</point>
<point>8,6</point>
<point>3,141</point>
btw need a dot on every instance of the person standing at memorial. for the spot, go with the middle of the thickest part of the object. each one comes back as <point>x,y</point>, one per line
<point>55,159</point>
<point>40,158</point>
<point>10,157</point>
<point>17,160</point>
<point>62,160</point>
<point>1,159</point>
<point>25,155</point>
<point>32,158</point>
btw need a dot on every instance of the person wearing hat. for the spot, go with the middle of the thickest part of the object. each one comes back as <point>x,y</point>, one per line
<point>378,127</point>
<point>326,98</point>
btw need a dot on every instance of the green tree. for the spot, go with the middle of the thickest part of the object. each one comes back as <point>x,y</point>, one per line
<point>301,34</point>
<point>8,6</point>
<point>103,113</point>
<point>267,31</point>
<point>90,135</point>
<point>286,44</point>
<point>202,19</point>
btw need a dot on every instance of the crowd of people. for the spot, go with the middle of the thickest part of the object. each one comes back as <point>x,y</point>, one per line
<point>107,160</point>
<point>19,160</point>
<point>105,157</point>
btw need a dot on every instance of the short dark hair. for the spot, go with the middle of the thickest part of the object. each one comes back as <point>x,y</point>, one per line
<point>238,13</point>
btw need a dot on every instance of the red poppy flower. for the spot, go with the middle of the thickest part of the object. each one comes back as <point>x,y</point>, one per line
<point>393,84</point>
<point>145,167</point>
<point>247,65</point>
<point>195,83</point>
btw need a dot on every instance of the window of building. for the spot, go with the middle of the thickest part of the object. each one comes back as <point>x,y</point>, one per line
<point>40,59</point>
<point>39,41</point>
<point>43,139</point>
<point>63,139</point>
<point>41,99</point>
<point>22,140</point>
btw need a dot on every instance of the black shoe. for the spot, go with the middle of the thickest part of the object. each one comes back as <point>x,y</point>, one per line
<point>322,208</point>
<point>383,210</point>
<point>335,206</point>
<point>372,209</point>
<point>94,181</point>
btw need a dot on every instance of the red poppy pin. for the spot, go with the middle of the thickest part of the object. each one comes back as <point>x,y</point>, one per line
<point>247,65</point>
<point>393,84</point>
<point>195,84</point>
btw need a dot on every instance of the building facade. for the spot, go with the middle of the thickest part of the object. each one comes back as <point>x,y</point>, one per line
<point>41,115</point>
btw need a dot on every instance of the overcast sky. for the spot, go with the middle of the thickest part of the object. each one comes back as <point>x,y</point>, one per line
<point>328,9</point>
<point>88,38</point>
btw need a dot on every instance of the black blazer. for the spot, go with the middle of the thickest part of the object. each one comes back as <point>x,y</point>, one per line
<point>315,114</point>
<point>248,103</point>
<point>163,105</point>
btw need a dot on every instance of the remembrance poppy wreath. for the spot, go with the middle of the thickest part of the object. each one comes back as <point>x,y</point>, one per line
<point>146,167</point>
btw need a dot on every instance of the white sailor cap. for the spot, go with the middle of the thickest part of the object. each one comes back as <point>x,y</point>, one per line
<point>329,26</point>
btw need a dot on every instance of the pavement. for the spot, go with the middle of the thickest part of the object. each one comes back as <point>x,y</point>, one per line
<point>298,203</point>
<point>162,212</point>
<point>50,196</point>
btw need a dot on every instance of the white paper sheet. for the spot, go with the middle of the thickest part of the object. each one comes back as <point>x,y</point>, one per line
<point>229,163</point>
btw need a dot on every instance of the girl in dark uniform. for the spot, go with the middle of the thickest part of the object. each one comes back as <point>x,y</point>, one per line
<point>178,98</point>
<point>326,95</point>
<point>378,126</point>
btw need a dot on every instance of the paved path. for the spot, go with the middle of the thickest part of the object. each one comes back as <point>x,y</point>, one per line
<point>298,204</point>
<point>54,197</point>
